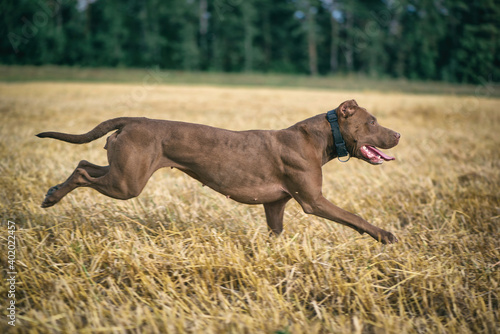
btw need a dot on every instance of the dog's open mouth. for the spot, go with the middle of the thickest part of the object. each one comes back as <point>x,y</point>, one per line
<point>374,155</point>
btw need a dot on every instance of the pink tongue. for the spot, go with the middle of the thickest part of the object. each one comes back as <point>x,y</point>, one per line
<point>382,155</point>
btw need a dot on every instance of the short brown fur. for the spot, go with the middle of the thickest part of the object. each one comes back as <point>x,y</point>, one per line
<point>252,167</point>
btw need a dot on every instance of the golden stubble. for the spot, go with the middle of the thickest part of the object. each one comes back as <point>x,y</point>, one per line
<point>182,258</point>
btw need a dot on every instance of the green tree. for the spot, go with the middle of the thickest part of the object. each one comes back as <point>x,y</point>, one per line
<point>476,41</point>
<point>451,40</point>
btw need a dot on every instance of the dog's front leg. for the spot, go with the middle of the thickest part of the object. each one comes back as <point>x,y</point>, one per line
<point>321,207</point>
<point>274,215</point>
<point>309,196</point>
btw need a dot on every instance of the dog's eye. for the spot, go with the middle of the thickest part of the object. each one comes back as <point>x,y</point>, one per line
<point>372,122</point>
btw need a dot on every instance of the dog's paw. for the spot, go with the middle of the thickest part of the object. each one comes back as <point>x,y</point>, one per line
<point>385,237</point>
<point>50,199</point>
<point>388,238</point>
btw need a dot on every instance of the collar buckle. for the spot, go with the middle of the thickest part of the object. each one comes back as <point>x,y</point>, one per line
<point>348,158</point>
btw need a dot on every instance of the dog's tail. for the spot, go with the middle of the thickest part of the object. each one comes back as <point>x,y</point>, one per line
<point>97,132</point>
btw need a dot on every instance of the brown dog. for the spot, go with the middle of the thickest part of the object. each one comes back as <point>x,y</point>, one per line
<point>252,167</point>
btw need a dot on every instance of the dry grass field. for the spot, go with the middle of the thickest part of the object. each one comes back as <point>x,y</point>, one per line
<point>183,259</point>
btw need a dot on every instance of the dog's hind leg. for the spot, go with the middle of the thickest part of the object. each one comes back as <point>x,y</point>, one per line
<point>92,169</point>
<point>120,181</point>
<point>56,193</point>
<point>131,164</point>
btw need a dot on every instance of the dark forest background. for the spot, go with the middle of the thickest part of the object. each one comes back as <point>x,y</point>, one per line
<point>448,40</point>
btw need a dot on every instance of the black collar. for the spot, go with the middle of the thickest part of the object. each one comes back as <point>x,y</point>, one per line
<point>331,116</point>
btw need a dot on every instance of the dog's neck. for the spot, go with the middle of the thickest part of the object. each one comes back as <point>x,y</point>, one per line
<point>319,131</point>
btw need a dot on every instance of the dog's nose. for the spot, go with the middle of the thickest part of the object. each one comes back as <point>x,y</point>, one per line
<point>397,135</point>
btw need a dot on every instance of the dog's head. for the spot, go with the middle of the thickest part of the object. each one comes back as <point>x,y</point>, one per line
<point>363,135</point>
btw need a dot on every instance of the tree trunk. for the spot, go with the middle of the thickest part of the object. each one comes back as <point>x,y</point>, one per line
<point>267,37</point>
<point>349,39</point>
<point>334,63</point>
<point>248,15</point>
<point>311,41</point>
<point>203,16</point>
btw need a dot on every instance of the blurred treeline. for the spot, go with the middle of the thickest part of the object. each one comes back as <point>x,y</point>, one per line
<point>450,40</point>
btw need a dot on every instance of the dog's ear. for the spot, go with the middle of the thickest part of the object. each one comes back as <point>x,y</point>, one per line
<point>347,108</point>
